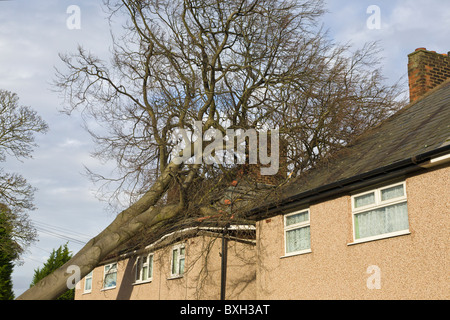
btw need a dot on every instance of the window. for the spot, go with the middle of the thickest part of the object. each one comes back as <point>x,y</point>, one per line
<point>297,233</point>
<point>380,213</point>
<point>110,276</point>
<point>178,257</point>
<point>88,283</point>
<point>144,268</point>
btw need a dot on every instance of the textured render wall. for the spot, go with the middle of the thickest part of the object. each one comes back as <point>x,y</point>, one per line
<point>200,281</point>
<point>413,266</point>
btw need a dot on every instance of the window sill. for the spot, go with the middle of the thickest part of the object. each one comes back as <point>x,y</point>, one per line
<point>106,289</point>
<point>175,277</point>
<point>293,254</point>
<point>142,282</point>
<point>87,292</point>
<point>381,237</point>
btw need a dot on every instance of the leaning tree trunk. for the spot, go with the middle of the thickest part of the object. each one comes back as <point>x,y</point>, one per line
<point>126,225</point>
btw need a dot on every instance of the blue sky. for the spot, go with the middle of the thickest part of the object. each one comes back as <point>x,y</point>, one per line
<point>32,33</point>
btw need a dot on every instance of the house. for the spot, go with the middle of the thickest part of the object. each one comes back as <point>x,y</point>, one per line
<point>190,263</point>
<point>373,221</point>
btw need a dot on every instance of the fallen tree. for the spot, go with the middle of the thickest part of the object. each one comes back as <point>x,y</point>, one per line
<point>221,65</point>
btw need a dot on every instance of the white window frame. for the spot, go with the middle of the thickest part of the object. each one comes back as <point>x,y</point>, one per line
<point>105,273</point>
<point>378,204</point>
<point>299,225</point>
<point>88,276</point>
<point>140,267</point>
<point>177,273</point>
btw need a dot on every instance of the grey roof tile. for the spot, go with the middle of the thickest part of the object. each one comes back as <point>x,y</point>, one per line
<point>418,128</point>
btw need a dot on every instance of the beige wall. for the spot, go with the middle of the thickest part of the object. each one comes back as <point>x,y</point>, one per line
<point>201,279</point>
<point>413,266</point>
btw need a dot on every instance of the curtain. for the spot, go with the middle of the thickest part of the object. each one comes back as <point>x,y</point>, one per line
<point>393,192</point>
<point>298,239</point>
<point>365,200</point>
<point>380,221</point>
<point>297,218</point>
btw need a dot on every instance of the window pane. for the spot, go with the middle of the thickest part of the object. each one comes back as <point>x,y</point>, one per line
<point>174,261</point>
<point>110,280</point>
<point>144,273</point>
<point>297,218</point>
<point>150,266</point>
<point>298,240</point>
<point>181,266</point>
<point>138,268</point>
<point>365,200</point>
<point>110,275</point>
<point>380,221</point>
<point>393,192</point>
<point>88,284</point>
<point>111,267</point>
<point>181,251</point>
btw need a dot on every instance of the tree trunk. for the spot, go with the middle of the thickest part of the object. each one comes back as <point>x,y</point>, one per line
<point>126,225</point>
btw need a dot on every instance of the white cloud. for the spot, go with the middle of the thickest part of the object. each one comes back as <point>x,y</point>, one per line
<point>72,143</point>
<point>405,26</point>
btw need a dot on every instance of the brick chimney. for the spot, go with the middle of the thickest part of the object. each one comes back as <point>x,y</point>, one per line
<point>426,70</point>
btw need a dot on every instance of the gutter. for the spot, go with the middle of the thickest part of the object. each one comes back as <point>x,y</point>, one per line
<point>416,163</point>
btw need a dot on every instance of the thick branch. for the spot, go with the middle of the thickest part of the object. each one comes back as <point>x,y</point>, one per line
<point>125,226</point>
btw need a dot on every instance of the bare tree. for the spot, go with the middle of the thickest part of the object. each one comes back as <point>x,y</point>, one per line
<point>238,64</point>
<point>18,126</point>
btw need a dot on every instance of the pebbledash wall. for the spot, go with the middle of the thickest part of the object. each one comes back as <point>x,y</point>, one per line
<point>413,265</point>
<point>410,266</point>
<point>200,280</point>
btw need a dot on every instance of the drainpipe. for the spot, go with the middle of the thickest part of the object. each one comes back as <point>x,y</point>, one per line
<point>223,271</point>
<point>223,278</point>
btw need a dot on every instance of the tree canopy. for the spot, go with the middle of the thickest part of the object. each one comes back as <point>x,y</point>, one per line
<point>18,127</point>
<point>58,258</point>
<point>8,253</point>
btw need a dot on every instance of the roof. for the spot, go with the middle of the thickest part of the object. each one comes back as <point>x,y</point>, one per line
<point>419,128</point>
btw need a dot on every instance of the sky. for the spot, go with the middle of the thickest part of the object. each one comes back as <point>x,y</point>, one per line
<point>34,32</point>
